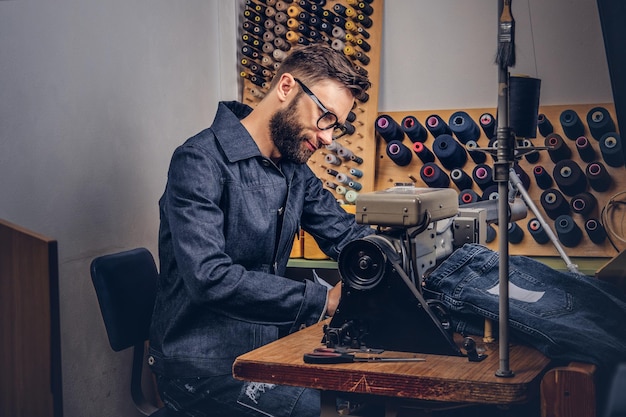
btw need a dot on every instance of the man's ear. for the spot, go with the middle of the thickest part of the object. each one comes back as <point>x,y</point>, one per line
<point>285,87</point>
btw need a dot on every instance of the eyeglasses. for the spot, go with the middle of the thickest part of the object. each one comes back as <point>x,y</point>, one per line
<point>328,119</point>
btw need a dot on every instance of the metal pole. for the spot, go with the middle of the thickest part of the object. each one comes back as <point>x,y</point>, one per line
<point>502,166</point>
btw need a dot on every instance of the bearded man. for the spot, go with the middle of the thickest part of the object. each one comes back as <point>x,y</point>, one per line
<point>237,194</point>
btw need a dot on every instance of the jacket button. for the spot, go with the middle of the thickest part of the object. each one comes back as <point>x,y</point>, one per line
<point>150,360</point>
<point>266,163</point>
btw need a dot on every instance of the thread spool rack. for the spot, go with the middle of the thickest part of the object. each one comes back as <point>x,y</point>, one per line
<point>269,27</point>
<point>389,173</point>
<point>261,46</point>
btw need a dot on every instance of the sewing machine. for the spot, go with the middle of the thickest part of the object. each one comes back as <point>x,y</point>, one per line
<point>382,306</point>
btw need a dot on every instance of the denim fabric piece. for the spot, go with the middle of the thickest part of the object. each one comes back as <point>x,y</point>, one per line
<point>567,316</point>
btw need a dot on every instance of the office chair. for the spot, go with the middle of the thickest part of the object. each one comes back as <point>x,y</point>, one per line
<point>125,284</point>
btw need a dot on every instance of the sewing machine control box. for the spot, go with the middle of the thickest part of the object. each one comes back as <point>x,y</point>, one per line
<point>406,206</point>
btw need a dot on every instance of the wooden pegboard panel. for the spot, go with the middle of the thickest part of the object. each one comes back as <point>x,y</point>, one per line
<point>360,29</point>
<point>388,173</point>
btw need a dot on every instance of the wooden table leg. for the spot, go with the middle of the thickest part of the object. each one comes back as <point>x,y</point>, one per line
<point>569,391</point>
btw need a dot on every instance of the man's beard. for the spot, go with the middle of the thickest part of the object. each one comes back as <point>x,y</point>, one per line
<point>288,138</point>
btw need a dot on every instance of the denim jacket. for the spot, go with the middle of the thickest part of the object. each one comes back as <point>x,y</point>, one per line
<point>567,316</point>
<point>229,217</point>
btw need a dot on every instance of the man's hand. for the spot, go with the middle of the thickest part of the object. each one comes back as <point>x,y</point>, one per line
<point>334,295</point>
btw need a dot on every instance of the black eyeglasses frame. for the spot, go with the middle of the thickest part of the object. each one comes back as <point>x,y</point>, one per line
<point>326,114</point>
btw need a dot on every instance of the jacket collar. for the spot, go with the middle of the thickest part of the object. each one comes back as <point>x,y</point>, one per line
<point>230,133</point>
<point>235,139</point>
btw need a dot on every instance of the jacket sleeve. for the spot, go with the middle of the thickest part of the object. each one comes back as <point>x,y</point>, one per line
<point>191,209</point>
<point>329,224</point>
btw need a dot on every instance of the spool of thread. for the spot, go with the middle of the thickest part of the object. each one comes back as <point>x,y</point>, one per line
<point>585,150</point>
<point>334,146</point>
<point>537,231</point>
<point>345,153</point>
<point>423,152</point>
<point>338,20</point>
<point>332,159</point>
<point>523,176</point>
<point>355,185</point>
<point>337,44</point>
<point>531,157</point>
<point>600,122</point>
<point>356,172</point>
<point>477,156</point>
<point>398,153</point>
<point>488,124</point>
<point>437,126</point>
<point>598,176</point>
<point>363,44</point>
<point>356,159</point>
<point>349,128</point>
<point>572,126</point>
<point>468,196</point>
<point>450,152</point>
<point>464,128</point>
<point>524,105</point>
<point>611,149</point>
<point>331,185</point>
<point>341,190</point>
<point>279,55</point>
<point>351,196</point>
<point>482,175</point>
<point>316,22</point>
<point>365,7</point>
<point>491,193</point>
<point>433,176</point>
<point>583,203</point>
<point>270,23</point>
<point>568,231</point>
<point>461,179</point>
<point>342,178</point>
<point>544,125</point>
<point>365,21</point>
<point>388,128</point>
<point>569,177</point>
<point>331,172</point>
<point>553,203</point>
<point>516,233</point>
<point>280,5</point>
<point>558,149</point>
<point>542,178</point>
<point>414,129</point>
<point>595,231</point>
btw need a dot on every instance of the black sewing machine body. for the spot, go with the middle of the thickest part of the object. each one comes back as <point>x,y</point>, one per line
<point>382,306</point>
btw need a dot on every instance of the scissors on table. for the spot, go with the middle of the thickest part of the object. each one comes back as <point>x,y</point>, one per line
<point>329,355</point>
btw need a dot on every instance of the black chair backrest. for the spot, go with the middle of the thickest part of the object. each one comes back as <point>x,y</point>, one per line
<point>125,284</point>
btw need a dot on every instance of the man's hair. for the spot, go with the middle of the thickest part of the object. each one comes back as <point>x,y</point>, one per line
<point>317,62</point>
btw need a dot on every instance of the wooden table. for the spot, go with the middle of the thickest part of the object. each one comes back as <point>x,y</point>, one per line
<point>440,378</point>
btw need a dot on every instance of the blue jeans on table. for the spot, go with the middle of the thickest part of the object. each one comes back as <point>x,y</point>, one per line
<point>224,396</point>
<point>567,316</point>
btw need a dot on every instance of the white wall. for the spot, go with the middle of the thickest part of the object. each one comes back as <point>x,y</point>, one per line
<point>440,54</point>
<point>94,96</point>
